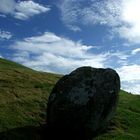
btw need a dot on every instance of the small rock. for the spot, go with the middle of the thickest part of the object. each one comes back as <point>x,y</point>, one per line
<point>83,102</point>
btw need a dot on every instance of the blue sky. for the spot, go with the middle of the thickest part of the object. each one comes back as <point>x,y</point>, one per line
<point>61,35</point>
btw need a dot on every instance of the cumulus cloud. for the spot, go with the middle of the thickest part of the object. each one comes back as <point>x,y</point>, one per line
<point>134,71</point>
<point>26,9</point>
<point>22,10</point>
<point>130,77</point>
<point>5,35</point>
<point>121,15</point>
<point>49,52</point>
<point>132,88</point>
<point>130,16</point>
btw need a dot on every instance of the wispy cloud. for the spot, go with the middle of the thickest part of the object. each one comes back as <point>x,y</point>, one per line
<point>2,15</point>
<point>121,15</point>
<point>1,56</point>
<point>7,6</point>
<point>135,51</point>
<point>22,10</point>
<point>5,35</point>
<point>119,54</point>
<point>91,12</point>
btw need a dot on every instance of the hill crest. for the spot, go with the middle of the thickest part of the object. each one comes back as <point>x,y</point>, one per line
<point>23,102</point>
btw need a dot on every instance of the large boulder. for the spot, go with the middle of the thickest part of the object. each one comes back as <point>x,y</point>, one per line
<point>83,102</point>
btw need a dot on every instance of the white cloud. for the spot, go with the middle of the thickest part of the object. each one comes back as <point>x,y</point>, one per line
<point>26,9</point>
<point>2,15</point>
<point>106,12</point>
<point>91,12</point>
<point>1,56</point>
<point>119,54</point>
<point>121,15</point>
<point>59,64</point>
<point>5,35</point>
<point>74,28</point>
<point>49,42</point>
<point>131,88</point>
<point>135,51</point>
<point>130,77</point>
<point>131,17</point>
<point>50,52</point>
<point>22,10</point>
<point>7,6</point>
<point>130,73</point>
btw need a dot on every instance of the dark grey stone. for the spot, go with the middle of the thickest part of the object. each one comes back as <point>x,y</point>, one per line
<point>83,102</point>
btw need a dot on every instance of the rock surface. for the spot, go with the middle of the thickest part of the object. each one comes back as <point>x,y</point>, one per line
<point>83,102</point>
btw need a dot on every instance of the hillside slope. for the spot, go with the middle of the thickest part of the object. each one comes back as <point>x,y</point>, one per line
<point>23,102</point>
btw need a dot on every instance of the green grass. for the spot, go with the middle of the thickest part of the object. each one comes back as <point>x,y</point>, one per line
<point>126,123</point>
<point>23,102</point>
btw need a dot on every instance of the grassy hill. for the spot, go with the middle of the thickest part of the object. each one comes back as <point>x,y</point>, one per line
<point>23,103</point>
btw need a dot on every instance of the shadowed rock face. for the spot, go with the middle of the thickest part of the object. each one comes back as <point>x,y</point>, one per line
<point>83,102</point>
